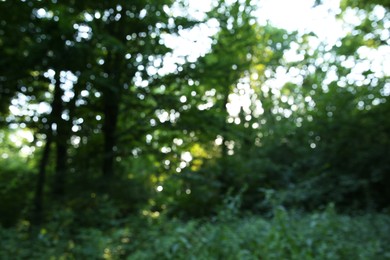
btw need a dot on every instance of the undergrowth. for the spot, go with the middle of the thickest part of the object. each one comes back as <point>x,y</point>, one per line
<point>287,235</point>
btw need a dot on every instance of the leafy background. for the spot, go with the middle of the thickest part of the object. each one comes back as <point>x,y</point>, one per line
<point>107,154</point>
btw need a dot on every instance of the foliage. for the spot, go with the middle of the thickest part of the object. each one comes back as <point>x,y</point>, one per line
<point>288,235</point>
<point>114,146</point>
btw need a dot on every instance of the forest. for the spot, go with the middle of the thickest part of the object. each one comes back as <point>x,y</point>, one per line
<point>269,144</point>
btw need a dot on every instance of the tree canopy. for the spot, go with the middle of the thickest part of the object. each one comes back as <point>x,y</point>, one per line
<point>101,120</point>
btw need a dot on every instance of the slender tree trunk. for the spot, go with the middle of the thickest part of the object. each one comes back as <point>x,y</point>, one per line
<point>111,110</point>
<point>61,138</point>
<point>223,178</point>
<point>55,118</point>
<point>111,101</point>
<point>38,214</point>
<point>60,169</point>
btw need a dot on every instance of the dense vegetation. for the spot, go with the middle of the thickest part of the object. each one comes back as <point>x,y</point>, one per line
<point>269,145</point>
<point>324,235</point>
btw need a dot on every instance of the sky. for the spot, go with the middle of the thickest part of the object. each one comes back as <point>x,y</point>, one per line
<point>299,15</point>
<point>291,15</point>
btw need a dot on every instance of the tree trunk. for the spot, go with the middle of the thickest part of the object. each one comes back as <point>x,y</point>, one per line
<point>60,169</point>
<point>61,138</point>
<point>223,178</point>
<point>60,141</point>
<point>111,100</point>
<point>111,110</point>
<point>37,217</point>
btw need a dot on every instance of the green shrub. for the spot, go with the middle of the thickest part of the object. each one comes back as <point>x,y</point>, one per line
<point>288,235</point>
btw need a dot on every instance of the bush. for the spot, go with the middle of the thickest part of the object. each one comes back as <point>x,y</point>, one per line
<point>288,235</point>
<point>324,235</point>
